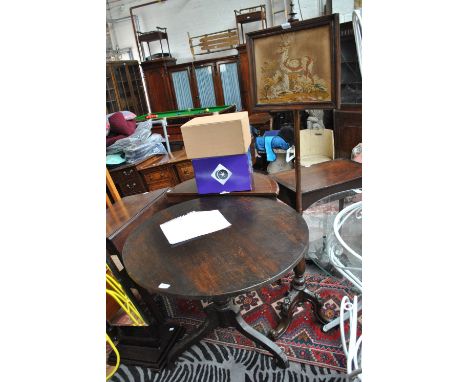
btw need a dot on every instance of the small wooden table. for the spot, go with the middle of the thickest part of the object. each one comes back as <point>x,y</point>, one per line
<point>261,121</point>
<point>319,180</point>
<point>263,185</point>
<point>265,241</point>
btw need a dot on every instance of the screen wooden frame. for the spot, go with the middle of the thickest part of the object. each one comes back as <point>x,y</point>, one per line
<point>333,23</point>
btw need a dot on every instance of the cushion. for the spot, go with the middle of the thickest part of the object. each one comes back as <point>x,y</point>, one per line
<point>356,154</point>
<point>358,158</point>
<point>114,138</point>
<point>132,125</point>
<point>121,126</point>
<point>309,160</point>
<point>107,127</point>
<point>127,115</point>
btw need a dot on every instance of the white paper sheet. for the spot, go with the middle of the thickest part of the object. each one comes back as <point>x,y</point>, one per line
<point>194,224</point>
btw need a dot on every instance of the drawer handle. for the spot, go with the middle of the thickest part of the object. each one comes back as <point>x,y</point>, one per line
<point>131,186</point>
<point>129,172</point>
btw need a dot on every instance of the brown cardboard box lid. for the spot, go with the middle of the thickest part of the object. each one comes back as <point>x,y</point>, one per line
<point>217,135</point>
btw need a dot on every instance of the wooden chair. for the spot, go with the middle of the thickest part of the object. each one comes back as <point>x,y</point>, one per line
<point>112,195</point>
<point>117,294</point>
<point>141,307</point>
<point>317,146</point>
<point>151,311</point>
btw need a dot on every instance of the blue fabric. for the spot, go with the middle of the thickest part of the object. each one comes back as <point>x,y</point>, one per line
<point>270,132</point>
<point>269,142</point>
<point>271,156</point>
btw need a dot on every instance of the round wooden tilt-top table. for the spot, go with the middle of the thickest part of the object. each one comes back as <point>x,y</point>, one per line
<point>265,241</point>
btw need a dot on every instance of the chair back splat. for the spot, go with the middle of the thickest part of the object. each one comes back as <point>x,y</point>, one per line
<point>317,145</point>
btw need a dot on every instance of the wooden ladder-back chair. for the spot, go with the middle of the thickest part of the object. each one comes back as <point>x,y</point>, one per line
<point>112,195</point>
<point>317,146</point>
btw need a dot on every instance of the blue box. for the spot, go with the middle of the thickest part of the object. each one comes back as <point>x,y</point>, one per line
<point>229,173</point>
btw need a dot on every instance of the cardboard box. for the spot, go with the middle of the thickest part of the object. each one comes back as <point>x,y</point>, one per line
<point>229,173</point>
<point>217,135</point>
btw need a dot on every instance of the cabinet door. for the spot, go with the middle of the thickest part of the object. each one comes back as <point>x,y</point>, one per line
<point>138,89</point>
<point>159,89</point>
<point>182,90</point>
<point>230,83</point>
<point>123,88</point>
<point>112,102</point>
<point>348,131</point>
<point>205,86</point>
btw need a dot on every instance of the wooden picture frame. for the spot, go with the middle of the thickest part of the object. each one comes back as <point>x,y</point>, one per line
<point>296,67</point>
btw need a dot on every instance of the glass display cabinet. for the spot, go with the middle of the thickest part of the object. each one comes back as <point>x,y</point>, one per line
<point>124,87</point>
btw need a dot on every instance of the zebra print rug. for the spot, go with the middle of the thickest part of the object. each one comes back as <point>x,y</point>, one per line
<point>208,362</point>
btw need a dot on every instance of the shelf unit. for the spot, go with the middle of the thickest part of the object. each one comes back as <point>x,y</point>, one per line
<point>159,34</point>
<point>250,15</point>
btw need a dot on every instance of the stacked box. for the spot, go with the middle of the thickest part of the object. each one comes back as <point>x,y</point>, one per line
<point>219,148</point>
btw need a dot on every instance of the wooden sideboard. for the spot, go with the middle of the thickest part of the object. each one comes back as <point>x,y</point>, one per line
<point>199,83</point>
<point>164,171</point>
<point>155,172</point>
<point>128,180</point>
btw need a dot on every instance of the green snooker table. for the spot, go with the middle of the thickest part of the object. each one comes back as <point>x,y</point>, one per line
<point>188,114</point>
<point>176,118</point>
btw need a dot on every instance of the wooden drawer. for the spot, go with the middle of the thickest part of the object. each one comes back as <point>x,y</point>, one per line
<point>185,170</point>
<point>249,17</point>
<point>124,175</point>
<point>131,186</point>
<point>160,177</point>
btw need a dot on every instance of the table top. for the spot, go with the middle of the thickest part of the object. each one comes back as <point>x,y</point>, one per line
<point>259,118</point>
<point>263,185</point>
<point>266,240</point>
<point>159,160</point>
<point>125,210</point>
<point>194,112</point>
<point>321,175</point>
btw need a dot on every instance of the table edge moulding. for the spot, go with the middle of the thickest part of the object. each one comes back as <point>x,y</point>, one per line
<point>179,209</point>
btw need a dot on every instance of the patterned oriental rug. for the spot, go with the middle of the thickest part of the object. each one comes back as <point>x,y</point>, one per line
<point>304,340</point>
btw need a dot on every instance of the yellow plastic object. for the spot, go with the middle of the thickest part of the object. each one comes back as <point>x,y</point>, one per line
<point>117,293</point>
<point>117,354</point>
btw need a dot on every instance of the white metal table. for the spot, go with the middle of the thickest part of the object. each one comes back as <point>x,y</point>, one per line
<point>335,229</point>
